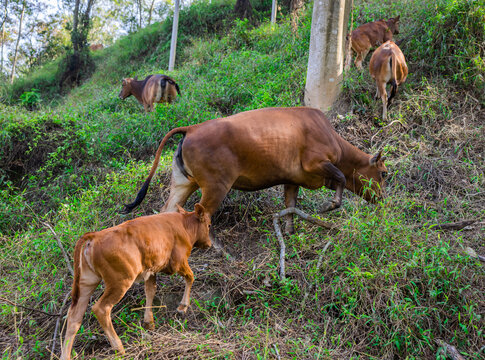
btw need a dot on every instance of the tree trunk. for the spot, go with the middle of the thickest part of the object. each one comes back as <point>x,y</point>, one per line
<point>173,43</point>
<point>17,44</point>
<point>140,8</point>
<point>296,7</point>
<point>326,54</point>
<point>150,12</point>
<point>243,9</point>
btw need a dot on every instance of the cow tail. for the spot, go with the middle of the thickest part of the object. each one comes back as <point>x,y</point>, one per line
<point>143,191</point>
<point>178,89</point>
<point>392,63</point>
<point>77,268</point>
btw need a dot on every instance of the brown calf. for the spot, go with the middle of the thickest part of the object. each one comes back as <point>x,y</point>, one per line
<point>387,65</point>
<point>261,148</point>
<point>96,47</point>
<point>154,89</point>
<point>133,251</point>
<point>372,34</point>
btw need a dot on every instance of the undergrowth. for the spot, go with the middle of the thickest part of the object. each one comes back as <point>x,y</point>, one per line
<point>390,285</point>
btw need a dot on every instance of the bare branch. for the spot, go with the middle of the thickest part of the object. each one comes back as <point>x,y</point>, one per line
<point>66,257</point>
<point>279,235</point>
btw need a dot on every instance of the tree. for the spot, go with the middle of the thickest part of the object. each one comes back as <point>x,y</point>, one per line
<point>79,64</point>
<point>18,41</point>
<point>243,9</point>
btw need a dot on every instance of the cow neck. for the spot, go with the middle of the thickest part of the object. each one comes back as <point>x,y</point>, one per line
<point>137,88</point>
<point>190,225</point>
<point>351,160</point>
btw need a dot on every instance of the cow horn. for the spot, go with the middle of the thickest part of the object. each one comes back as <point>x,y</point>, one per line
<point>373,160</point>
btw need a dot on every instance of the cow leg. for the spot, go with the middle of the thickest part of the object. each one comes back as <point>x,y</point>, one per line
<point>180,189</point>
<point>381,88</point>
<point>188,275</point>
<point>358,60</point>
<point>76,313</point>
<point>337,182</point>
<point>150,289</point>
<point>291,193</point>
<point>102,309</point>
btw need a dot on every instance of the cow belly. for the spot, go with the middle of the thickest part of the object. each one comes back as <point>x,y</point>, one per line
<point>311,182</point>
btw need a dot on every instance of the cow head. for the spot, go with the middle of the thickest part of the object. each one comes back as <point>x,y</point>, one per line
<point>393,24</point>
<point>371,179</point>
<point>125,88</point>
<point>203,238</point>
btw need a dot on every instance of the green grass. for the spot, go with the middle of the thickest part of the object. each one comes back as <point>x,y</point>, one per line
<point>389,285</point>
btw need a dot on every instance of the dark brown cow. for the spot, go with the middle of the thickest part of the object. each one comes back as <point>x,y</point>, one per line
<point>154,89</point>
<point>133,251</point>
<point>372,34</point>
<point>387,65</point>
<point>261,148</point>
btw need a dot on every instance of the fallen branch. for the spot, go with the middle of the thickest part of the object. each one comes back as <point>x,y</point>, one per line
<point>279,234</point>
<point>449,350</point>
<point>474,254</point>
<point>53,350</point>
<point>27,308</point>
<point>458,225</point>
<point>66,257</point>
<point>317,269</point>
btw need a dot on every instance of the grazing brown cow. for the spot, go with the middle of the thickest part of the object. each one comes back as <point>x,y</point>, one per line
<point>133,251</point>
<point>154,89</point>
<point>261,148</point>
<point>387,65</point>
<point>372,34</point>
<point>96,47</point>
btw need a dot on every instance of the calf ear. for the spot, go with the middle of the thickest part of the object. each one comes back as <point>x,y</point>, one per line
<point>373,160</point>
<point>199,211</point>
<point>135,78</point>
<point>397,17</point>
<point>180,209</point>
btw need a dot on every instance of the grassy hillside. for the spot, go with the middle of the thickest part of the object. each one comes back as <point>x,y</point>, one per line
<point>390,284</point>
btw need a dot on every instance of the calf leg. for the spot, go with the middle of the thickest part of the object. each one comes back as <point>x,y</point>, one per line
<point>291,193</point>
<point>188,275</point>
<point>150,289</point>
<point>102,309</point>
<point>381,88</point>
<point>76,313</point>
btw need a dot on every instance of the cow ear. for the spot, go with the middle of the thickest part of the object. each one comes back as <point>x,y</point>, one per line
<point>181,210</point>
<point>397,17</point>
<point>135,78</point>
<point>199,211</point>
<point>373,160</point>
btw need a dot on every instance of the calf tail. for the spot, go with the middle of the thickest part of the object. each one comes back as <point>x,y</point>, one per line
<point>392,63</point>
<point>143,191</point>
<point>77,268</point>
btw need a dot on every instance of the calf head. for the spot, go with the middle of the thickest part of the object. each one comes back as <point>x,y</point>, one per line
<point>203,222</point>
<point>126,88</point>
<point>370,182</point>
<point>393,24</point>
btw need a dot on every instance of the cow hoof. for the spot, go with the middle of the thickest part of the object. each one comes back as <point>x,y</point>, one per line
<point>328,207</point>
<point>182,309</point>
<point>149,325</point>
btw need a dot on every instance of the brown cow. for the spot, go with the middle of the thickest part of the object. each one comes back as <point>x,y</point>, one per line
<point>261,148</point>
<point>372,34</point>
<point>133,251</point>
<point>387,65</point>
<point>96,47</point>
<point>154,89</point>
